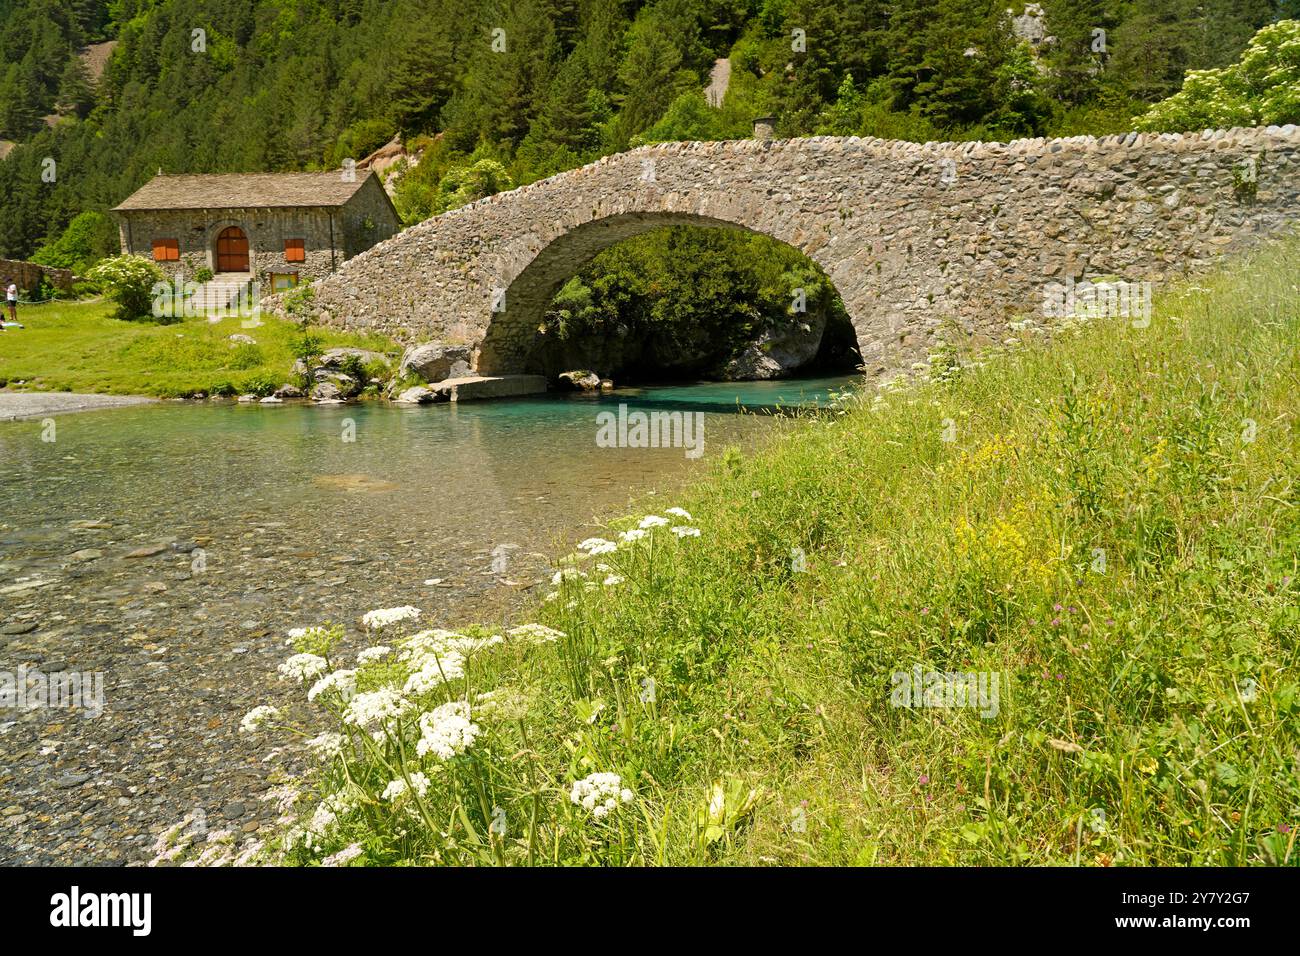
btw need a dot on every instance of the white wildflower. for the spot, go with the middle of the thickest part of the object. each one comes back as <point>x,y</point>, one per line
<point>255,718</point>
<point>377,653</point>
<point>343,857</point>
<point>375,707</point>
<point>326,745</point>
<point>398,788</point>
<point>567,574</point>
<point>383,617</point>
<point>344,682</point>
<point>432,670</point>
<point>248,853</point>
<point>682,531</point>
<point>303,667</point>
<point>652,521</point>
<point>678,513</point>
<point>447,731</point>
<point>284,796</point>
<point>600,794</point>
<point>627,537</point>
<point>614,579</point>
<point>536,633</point>
<point>597,546</point>
<point>435,640</point>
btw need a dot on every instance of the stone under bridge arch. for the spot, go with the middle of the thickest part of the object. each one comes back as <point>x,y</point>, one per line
<point>916,238</point>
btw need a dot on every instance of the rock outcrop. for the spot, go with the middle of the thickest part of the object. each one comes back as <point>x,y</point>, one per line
<point>582,380</point>
<point>435,361</point>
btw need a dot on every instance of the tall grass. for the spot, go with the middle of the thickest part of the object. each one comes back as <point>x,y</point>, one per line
<point>1109,524</point>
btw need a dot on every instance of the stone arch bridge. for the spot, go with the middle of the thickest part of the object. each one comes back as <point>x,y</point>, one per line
<point>916,237</point>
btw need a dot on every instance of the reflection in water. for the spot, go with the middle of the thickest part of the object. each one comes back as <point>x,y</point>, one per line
<point>418,492</point>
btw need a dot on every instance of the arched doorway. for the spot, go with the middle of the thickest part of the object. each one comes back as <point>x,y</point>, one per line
<point>232,250</point>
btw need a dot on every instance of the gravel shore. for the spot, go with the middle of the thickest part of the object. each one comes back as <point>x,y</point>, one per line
<point>16,405</point>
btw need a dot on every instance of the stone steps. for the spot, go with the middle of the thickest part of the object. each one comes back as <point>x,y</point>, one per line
<point>218,293</point>
<point>471,388</point>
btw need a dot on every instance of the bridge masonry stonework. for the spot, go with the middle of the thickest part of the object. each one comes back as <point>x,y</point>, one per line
<point>923,241</point>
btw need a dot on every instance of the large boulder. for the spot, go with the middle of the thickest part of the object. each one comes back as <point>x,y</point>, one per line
<point>326,392</point>
<point>778,352</point>
<point>334,359</point>
<point>435,361</point>
<point>348,387</point>
<point>582,380</point>
<point>422,395</point>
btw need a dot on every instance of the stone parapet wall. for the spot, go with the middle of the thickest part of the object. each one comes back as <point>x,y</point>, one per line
<point>27,275</point>
<point>916,237</point>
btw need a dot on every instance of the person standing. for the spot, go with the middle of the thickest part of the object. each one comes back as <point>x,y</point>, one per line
<point>11,300</point>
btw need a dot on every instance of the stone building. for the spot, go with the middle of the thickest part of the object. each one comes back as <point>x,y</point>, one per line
<point>277,228</point>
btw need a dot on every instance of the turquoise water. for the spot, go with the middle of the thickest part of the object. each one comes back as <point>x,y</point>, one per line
<point>340,508</point>
<point>168,548</point>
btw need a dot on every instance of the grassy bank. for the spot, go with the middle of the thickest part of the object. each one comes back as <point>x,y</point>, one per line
<point>1109,525</point>
<point>77,347</point>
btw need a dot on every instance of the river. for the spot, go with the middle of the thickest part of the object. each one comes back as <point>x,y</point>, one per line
<point>169,547</point>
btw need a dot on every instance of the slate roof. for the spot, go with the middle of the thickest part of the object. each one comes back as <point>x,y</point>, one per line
<point>243,191</point>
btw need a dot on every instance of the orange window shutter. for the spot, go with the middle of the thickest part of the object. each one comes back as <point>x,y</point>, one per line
<point>166,250</point>
<point>295,250</point>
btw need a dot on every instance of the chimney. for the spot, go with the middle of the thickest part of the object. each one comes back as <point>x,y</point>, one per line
<point>764,127</point>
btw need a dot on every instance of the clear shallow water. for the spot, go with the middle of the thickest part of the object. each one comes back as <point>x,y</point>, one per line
<point>169,547</point>
<point>417,493</point>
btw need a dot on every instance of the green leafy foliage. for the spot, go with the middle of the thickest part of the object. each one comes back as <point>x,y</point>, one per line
<point>541,86</point>
<point>1262,88</point>
<point>129,281</point>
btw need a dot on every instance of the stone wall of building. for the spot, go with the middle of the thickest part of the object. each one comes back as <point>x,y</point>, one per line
<point>196,231</point>
<point>330,236</point>
<point>368,218</point>
<point>27,275</point>
<point>914,236</point>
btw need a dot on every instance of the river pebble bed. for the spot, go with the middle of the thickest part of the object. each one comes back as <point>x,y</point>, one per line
<point>166,550</point>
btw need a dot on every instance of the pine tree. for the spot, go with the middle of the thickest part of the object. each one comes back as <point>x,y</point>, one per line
<point>1078,53</point>
<point>423,73</point>
<point>649,74</point>
<point>18,113</point>
<point>75,93</point>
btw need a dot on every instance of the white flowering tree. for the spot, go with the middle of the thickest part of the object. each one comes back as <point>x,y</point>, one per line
<point>1262,89</point>
<point>129,281</point>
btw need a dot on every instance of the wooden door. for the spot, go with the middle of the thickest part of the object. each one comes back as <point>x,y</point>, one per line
<point>232,250</point>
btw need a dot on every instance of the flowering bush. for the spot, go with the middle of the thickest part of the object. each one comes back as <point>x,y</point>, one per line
<point>130,282</point>
<point>1261,89</point>
<point>431,758</point>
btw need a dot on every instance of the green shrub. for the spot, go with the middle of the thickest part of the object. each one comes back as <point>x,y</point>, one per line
<point>260,383</point>
<point>130,281</point>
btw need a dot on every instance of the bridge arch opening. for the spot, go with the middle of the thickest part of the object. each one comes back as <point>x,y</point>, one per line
<point>644,297</point>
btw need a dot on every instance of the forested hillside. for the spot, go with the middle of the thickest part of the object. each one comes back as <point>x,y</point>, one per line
<point>490,95</point>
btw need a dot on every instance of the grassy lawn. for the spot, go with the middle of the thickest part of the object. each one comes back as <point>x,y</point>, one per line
<point>78,347</point>
<point>1109,525</point>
